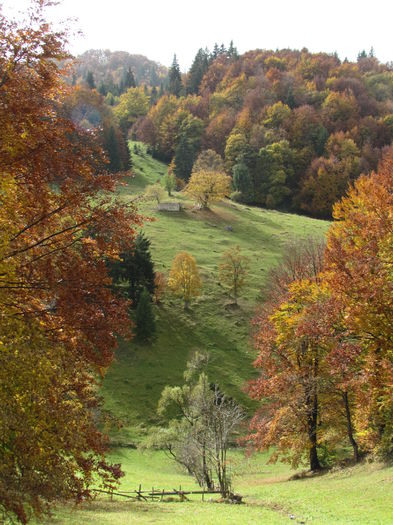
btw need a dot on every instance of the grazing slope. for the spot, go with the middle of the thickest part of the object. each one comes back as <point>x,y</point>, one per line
<point>135,381</point>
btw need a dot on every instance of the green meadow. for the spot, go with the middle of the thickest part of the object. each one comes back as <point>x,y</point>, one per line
<point>133,384</point>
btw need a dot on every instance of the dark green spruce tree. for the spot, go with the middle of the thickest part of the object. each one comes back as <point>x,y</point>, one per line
<point>144,317</point>
<point>175,82</point>
<point>198,69</point>
<point>128,80</point>
<point>184,158</point>
<point>134,271</point>
<point>90,80</point>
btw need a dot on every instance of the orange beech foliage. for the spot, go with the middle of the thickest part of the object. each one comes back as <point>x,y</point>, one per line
<point>290,357</point>
<point>359,263</point>
<point>291,380</point>
<point>308,375</point>
<point>59,223</point>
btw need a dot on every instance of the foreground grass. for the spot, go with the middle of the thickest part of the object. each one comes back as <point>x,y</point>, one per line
<point>357,495</point>
<point>133,384</point>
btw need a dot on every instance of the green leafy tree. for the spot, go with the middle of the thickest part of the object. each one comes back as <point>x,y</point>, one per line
<point>199,435</point>
<point>276,165</point>
<point>233,271</point>
<point>154,192</point>
<point>169,183</point>
<point>236,145</point>
<point>134,103</point>
<point>242,181</point>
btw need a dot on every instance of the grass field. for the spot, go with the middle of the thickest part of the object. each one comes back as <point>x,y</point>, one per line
<point>133,384</point>
<point>358,495</point>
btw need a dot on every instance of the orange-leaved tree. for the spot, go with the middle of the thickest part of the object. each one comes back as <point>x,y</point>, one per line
<point>359,264</point>
<point>59,224</point>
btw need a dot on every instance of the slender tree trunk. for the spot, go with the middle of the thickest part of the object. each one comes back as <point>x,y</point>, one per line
<point>206,476</point>
<point>350,427</point>
<point>312,403</point>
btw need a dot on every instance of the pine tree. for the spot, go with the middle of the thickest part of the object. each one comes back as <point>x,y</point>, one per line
<point>112,148</point>
<point>102,89</point>
<point>232,51</point>
<point>90,80</point>
<point>175,83</point>
<point>197,70</point>
<point>128,80</point>
<point>153,95</point>
<point>144,317</point>
<point>135,268</point>
<point>184,158</point>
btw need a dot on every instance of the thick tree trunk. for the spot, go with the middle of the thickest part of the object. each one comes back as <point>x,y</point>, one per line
<point>350,428</point>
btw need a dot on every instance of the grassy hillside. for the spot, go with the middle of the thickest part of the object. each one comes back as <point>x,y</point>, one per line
<point>134,383</point>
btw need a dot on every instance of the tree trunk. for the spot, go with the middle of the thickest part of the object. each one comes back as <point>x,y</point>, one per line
<point>312,403</point>
<point>312,434</point>
<point>206,477</point>
<point>350,427</point>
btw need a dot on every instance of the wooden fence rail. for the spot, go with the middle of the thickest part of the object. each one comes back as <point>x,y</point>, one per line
<point>156,494</point>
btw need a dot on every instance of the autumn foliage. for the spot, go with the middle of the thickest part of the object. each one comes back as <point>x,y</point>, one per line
<point>206,187</point>
<point>324,342</point>
<point>304,125</point>
<point>184,279</point>
<point>59,225</point>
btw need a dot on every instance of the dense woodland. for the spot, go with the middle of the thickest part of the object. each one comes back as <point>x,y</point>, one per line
<point>289,130</point>
<point>295,129</point>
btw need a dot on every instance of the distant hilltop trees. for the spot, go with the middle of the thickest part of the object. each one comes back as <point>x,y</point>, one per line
<point>116,71</point>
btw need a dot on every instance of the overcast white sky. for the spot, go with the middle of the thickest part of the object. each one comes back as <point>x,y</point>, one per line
<point>160,28</point>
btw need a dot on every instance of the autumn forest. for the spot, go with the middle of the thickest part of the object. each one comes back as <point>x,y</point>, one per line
<point>194,267</point>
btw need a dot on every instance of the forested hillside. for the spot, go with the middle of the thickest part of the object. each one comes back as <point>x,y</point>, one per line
<point>295,128</point>
<point>110,68</point>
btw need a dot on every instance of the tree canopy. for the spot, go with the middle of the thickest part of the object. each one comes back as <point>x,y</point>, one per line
<point>59,223</point>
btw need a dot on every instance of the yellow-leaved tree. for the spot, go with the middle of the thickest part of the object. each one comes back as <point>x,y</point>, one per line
<point>184,280</point>
<point>208,186</point>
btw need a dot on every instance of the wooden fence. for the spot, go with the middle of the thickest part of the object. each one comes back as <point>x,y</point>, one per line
<point>156,494</point>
